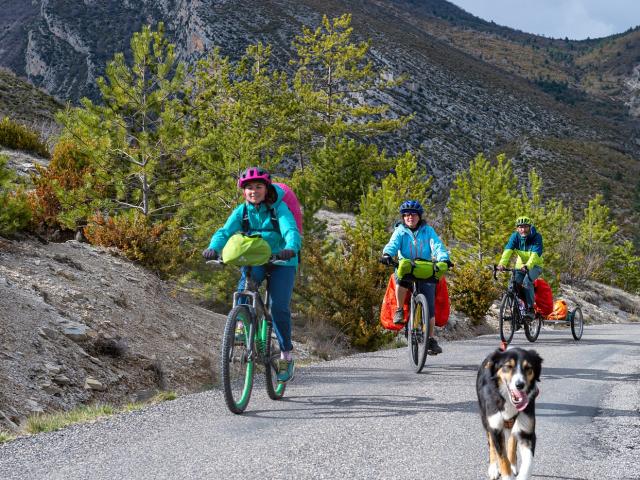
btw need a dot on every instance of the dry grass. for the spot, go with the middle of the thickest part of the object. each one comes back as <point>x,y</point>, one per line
<point>49,422</point>
<point>6,437</point>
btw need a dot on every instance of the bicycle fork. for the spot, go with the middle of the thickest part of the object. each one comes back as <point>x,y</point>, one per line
<point>257,333</point>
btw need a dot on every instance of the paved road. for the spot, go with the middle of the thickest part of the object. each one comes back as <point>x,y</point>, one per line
<point>368,416</point>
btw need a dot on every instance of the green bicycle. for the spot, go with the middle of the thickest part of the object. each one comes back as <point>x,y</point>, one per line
<point>250,347</point>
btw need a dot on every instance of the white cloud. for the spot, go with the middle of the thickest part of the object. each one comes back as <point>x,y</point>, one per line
<point>576,19</point>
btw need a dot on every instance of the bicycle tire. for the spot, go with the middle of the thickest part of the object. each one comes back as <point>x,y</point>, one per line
<point>507,317</point>
<point>577,323</point>
<point>419,333</point>
<point>275,389</point>
<point>532,328</point>
<point>236,368</point>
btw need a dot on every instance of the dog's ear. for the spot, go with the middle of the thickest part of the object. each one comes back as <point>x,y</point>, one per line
<point>494,361</point>
<point>536,361</point>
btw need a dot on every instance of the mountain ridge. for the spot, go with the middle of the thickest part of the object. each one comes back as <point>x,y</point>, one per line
<point>470,90</point>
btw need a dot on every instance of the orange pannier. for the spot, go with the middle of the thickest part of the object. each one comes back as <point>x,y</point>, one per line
<point>442,303</point>
<point>560,310</point>
<point>389,305</point>
<point>543,297</point>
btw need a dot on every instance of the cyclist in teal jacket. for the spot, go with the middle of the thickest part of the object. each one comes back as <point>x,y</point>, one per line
<point>263,212</point>
<point>414,239</point>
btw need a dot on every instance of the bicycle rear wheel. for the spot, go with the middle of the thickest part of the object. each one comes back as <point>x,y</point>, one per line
<point>577,323</point>
<point>275,389</point>
<point>507,317</point>
<point>532,328</point>
<point>418,337</point>
<point>236,366</point>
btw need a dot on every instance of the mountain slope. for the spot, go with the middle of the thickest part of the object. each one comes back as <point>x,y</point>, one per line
<point>473,85</point>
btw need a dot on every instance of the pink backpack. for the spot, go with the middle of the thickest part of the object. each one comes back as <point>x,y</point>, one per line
<point>293,203</point>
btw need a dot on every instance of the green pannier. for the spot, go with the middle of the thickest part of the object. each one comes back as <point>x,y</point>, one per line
<point>421,269</point>
<point>242,250</point>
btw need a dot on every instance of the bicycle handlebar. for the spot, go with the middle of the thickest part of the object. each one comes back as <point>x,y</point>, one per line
<point>273,259</point>
<point>395,263</point>
<point>510,270</point>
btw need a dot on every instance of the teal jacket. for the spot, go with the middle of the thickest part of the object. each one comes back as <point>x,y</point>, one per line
<point>260,223</point>
<point>423,243</point>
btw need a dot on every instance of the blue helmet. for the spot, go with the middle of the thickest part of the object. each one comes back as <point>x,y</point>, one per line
<point>411,206</point>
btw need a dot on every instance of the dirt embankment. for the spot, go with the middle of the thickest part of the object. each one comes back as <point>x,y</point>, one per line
<point>79,324</point>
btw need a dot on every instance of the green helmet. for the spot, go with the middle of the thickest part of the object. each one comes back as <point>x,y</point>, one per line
<point>523,221</point>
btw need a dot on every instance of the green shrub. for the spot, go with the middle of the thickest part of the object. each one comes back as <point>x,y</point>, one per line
<point>16,136</point>
<point>14,210</point>
<point>472,290</point>
<point>346,290</point>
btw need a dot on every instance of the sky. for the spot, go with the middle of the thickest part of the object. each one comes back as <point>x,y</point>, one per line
<point>576,19</point>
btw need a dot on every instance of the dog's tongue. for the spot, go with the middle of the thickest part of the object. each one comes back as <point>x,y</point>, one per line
<point>520,400</point>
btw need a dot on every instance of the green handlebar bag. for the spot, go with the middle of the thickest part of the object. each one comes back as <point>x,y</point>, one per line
<point>242,250</point>
<point>421,269</point>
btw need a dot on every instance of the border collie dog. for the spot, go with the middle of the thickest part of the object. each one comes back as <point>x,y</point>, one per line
<point>507,388</point>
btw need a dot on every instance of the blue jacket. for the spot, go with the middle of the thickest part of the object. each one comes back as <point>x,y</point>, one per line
<point>424,243</point>
<point>528,250</point>
<point>287,238</point>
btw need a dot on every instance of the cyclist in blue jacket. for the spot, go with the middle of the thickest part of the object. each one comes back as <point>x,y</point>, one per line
<point>414,239</point>
<point>263,212</point>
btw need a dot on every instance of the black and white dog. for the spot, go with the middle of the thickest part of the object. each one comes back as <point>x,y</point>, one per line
<point>507,390</point>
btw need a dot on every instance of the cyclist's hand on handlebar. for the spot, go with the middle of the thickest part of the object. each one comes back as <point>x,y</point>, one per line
<point>524,269</point>
<point>210,254</point>
<point>386,259</point>
<point>500,268</point>
<point>286,254</point>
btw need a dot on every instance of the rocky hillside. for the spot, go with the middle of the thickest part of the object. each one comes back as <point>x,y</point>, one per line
<point>28,105</point>
<point>81,324</point>
<point>473,86</point>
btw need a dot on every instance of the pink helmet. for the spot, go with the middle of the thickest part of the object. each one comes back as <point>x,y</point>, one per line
<point>252,174</point>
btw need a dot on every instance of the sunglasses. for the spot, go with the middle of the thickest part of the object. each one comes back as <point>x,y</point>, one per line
<point>410,214</point>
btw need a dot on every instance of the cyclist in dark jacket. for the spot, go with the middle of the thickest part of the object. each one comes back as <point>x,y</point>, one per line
<point>526,242</point>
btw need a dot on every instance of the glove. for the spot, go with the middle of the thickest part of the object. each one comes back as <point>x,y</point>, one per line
<point>386,259</point>
<point>286,254</point>
<point>210,254</point>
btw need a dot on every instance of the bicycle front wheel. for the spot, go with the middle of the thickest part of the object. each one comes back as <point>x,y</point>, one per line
<point>532,328</point>
<point>577,323</point>
<point>507,317</point>
<point>236,366</point>
<point>275,389</point>
<point>418,337</point>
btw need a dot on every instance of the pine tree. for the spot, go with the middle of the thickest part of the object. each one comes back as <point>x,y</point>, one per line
<point>622,268</point>
<point>333,79</point>
<point>343,172</point>
<point>595,237</point>
<point>135,136</point>
<point>482,205</point>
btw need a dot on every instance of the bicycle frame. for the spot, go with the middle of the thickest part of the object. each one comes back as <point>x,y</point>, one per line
<point>515,295</point>
<point>257,331</point>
